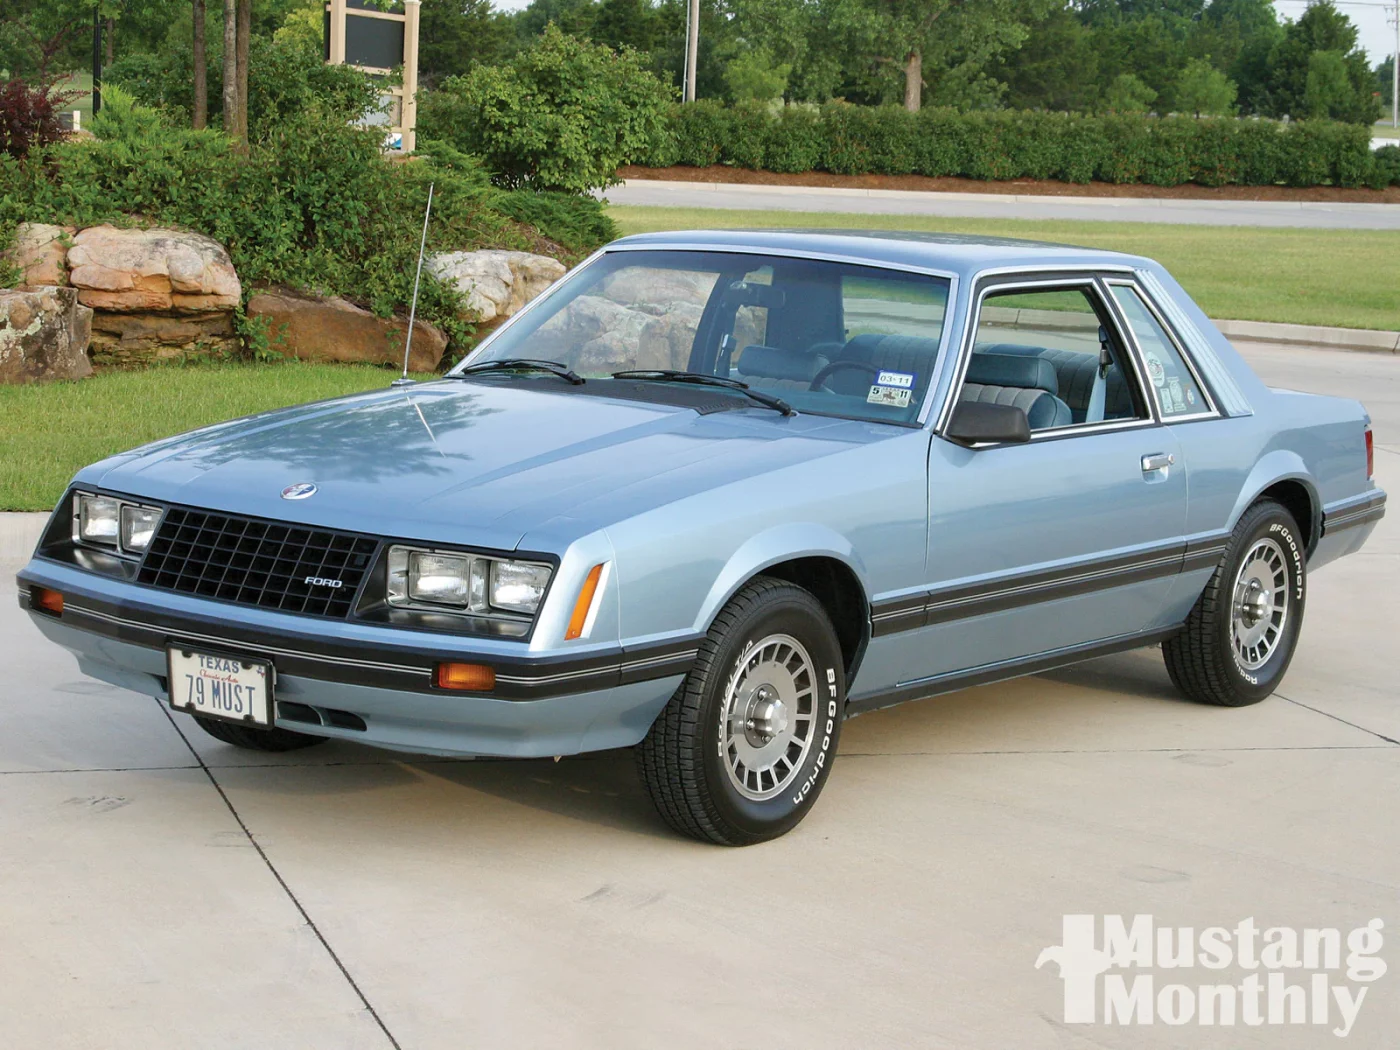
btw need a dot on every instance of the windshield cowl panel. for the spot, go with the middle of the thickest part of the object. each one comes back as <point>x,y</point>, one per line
<point>825,337</point>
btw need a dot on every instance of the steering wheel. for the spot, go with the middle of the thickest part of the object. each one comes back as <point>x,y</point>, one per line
<point>837,366</point>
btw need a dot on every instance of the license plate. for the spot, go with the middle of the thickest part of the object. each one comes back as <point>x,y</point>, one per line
<point>220,686</point>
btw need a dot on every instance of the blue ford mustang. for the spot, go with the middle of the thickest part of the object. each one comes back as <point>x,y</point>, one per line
<point>710,495</point>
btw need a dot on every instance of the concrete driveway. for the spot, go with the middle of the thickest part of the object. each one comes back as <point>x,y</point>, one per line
<point>161,890</point>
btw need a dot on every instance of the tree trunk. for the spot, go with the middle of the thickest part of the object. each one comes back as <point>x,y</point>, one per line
<point>913,81</point>
<point>245,30</point>
<point>231,68</point>
<point>200,117</point>
<point>111,38</point>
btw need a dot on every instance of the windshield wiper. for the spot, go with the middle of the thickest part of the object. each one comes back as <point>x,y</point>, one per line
<point>669,375</point>
<point>522,364</point>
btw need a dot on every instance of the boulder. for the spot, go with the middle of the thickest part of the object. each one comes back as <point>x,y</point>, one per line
<point>44,335</point>
<point>167,271</point>
<point>496,283</point>
<point>41,253</point>
<point>126,339</point>
<point>335,330</point>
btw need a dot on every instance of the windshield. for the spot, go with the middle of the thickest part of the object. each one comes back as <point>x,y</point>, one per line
<point>827,337</point>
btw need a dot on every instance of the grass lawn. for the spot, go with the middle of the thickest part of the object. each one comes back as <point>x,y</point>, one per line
<point>47,432</point>
<point>1346,278</point>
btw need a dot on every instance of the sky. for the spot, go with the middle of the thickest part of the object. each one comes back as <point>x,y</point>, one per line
<point>1377,37</point>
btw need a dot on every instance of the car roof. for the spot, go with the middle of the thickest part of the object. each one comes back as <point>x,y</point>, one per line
<point>955,253</point>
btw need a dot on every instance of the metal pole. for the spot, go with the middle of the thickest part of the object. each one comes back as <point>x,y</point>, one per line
<point>96,61</point>
<point>692,47</point>
<point>1395,74</point>
<point>413,309</point>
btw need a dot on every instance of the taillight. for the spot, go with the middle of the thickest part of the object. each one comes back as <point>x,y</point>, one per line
<point>1370,455</point>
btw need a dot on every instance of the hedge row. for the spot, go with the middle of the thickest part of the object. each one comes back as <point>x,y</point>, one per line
<point>1161,151</point>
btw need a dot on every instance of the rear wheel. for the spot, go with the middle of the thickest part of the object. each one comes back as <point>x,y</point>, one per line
<point>1240,637</point>
<point>742,750</point>
<point>257,739</point>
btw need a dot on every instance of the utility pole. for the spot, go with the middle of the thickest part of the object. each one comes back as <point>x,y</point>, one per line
<point>692,48</point>
<point>1395,74</point>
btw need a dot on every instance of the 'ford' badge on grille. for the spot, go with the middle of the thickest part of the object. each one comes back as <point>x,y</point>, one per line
<point>301,490</point>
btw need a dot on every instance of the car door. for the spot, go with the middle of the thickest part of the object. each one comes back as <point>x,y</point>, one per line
<point>1072,538</point>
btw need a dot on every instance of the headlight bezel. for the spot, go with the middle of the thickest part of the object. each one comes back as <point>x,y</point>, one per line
<point>116,545</point>
<point>478,573</point>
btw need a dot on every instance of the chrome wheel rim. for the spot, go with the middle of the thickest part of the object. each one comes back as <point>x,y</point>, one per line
<point>1259,611</point>
<point>769,717</point>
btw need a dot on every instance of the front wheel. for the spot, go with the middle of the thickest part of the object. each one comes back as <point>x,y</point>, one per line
<point>740,753</point>
<point>1240,637</point>
<point>256,738</point>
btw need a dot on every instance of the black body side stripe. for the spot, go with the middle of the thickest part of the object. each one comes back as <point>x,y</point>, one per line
<point>1010,592</point>
<point>1348,514</point>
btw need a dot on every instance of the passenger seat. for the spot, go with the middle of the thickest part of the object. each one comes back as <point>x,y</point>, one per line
<point>768,367</point>
<point>1029,383</point>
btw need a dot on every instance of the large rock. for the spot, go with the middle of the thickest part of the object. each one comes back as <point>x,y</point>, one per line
<point>335,330</point>
<point>41,253</point>
<point>167,271</point>
<point>43,335</point>
<point>126,340</point>
<point>599,335</point>
<point>496,283</point>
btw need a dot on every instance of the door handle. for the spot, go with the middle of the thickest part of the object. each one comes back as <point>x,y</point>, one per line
<point>1157,461</point>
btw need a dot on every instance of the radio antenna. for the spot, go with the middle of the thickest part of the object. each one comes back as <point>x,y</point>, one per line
<point>403,380</point>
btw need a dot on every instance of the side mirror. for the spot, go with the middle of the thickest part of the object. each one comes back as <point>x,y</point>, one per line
<point>975,422</point>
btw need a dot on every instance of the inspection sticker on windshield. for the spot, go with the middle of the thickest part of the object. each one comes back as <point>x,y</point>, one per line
<point>895,389</point>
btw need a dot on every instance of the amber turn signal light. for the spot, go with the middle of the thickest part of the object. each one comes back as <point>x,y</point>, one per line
<point>49,601</point>
<point>584,603</point>
<point>471,678</point>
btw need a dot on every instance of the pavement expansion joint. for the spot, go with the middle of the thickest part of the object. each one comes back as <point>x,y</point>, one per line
<point>306,917</point>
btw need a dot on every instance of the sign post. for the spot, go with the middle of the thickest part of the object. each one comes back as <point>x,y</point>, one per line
<point>377,42</point>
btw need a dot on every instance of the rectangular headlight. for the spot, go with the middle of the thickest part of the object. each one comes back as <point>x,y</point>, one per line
<point>138,527</point>
<point>444,579</point>
<point>468,583</point>
<point>98,520</point>
<point>518,586</point>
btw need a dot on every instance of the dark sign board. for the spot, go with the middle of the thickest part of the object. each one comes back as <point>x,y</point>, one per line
<point>375,42</point>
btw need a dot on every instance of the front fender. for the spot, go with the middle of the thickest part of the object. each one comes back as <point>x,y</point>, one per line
<point>780,543</point>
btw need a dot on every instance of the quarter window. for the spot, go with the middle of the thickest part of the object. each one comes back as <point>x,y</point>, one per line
<point>1176,390</point>
<point>1049,352</point>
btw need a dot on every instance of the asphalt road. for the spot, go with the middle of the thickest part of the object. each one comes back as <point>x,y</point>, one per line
<point>161,890</point>
<point>1006,206</point>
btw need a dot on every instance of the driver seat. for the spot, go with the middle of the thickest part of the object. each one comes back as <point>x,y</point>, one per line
<point>911,354</point>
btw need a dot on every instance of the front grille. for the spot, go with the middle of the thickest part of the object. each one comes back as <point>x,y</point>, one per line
<point>254,562</point>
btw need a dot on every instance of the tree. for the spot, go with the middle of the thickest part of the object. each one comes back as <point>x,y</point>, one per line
<point>1322,28</point>
<point>752,74</point>
<point>1203,90</point>
<point>1385,82</point>
<point>957,39</point>
<point>455,35</point>
<point>1128,94</point>
<point>200,117</point>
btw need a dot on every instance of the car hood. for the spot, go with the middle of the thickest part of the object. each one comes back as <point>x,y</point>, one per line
<point>473,462</point>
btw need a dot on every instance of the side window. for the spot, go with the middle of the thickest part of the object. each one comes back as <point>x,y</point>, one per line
<point>1177,392</point>
<point>1048,352</point>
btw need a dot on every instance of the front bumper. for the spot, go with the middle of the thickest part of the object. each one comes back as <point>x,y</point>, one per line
<point>380,677</point>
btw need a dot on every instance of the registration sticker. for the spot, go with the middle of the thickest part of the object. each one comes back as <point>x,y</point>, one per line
<point>895,389</point>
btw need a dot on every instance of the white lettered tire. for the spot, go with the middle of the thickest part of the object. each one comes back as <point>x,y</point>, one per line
<point>741,752</point>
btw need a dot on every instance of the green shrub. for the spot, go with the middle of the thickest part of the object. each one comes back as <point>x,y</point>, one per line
<point>313,204</point>
<point>285,79</point>
<point>563,114</point>
<point>1387,167</point>
<point>1008,144</point>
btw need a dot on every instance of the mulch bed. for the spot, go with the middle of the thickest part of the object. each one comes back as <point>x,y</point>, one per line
<point>1044,187</point>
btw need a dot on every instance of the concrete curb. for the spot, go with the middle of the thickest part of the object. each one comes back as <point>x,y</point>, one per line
<point>1311,335</point>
